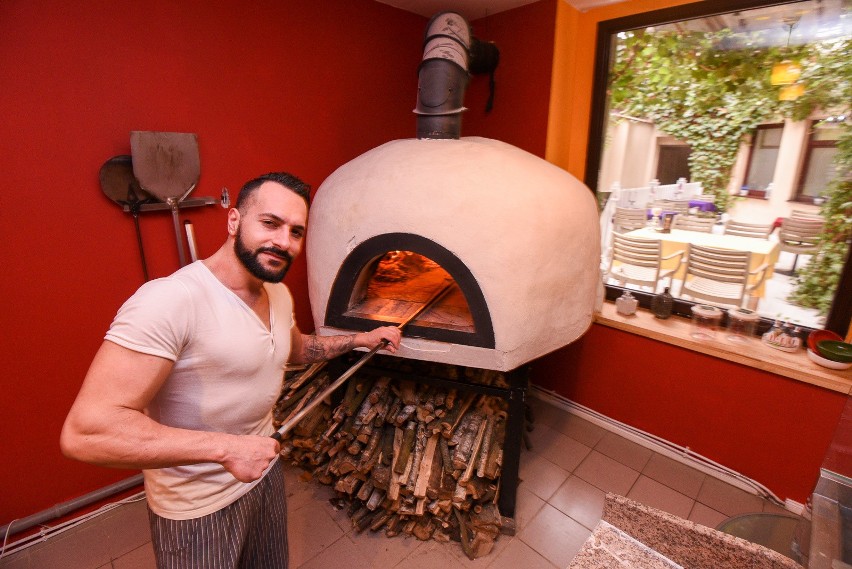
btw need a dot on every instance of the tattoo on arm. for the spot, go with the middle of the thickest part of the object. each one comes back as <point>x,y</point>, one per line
<point>321,348</point>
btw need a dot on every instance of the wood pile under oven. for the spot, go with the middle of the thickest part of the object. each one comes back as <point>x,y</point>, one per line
<point>405,457</point>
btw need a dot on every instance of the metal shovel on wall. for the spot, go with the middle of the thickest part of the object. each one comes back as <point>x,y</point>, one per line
<point>121,186</point>
<point>167,166</point>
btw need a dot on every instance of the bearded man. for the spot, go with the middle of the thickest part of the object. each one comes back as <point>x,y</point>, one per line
<point>184,384</point>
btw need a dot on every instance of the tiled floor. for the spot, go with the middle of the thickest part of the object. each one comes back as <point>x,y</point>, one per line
<point>564,478</point>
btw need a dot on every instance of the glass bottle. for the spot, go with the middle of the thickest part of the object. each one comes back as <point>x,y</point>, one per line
<point>661,304</point>
<point>626,304</point>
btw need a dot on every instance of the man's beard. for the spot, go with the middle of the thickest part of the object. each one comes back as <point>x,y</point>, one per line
<point>250,261</point>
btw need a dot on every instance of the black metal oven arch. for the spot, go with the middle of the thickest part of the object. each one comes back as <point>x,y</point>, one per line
<point>358,266</point>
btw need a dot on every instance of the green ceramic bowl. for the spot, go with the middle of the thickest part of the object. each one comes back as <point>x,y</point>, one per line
<point>834,350</point>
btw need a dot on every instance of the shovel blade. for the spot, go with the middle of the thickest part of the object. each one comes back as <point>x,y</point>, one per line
<point>166,164</point>
<point>118,182</point>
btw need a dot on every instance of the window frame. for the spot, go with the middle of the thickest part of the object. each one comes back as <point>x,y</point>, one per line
<point>840,314</point>
<point>760,194</point>
<point>799,197</point>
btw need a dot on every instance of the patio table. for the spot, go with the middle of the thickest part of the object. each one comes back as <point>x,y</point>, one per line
<point>762,250</point>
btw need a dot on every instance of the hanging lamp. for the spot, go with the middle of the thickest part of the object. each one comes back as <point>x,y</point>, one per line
<point>786,72</point>
<point>791,92</point>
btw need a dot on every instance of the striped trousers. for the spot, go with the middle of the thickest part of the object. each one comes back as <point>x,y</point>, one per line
<point>251,533</point>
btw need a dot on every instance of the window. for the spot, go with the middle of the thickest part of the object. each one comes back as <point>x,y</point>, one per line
<point>819,167</point>
<point>762,160</point>
<point>713,16</point>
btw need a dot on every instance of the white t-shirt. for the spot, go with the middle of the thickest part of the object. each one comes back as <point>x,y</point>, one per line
<point>227,374</point>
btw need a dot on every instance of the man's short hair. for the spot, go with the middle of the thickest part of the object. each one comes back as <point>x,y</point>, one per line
<point>289,181</point>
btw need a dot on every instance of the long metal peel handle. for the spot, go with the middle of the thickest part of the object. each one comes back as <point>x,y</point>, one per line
<point>173,203</point>
<point>288,425</point>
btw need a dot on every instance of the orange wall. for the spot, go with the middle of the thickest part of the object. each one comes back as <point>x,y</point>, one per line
<point>301,85</point>
<point>573,75</point>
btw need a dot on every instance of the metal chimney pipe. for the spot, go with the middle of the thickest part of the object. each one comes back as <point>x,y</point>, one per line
<point>443,76</point>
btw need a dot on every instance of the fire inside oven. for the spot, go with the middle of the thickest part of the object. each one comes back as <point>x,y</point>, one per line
<point>389,277</point>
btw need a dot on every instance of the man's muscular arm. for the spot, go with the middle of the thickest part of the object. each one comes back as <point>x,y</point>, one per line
<point>311,349</point>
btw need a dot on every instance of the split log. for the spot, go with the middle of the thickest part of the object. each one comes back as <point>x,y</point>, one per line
<point>426,466</point>
<point>401,457</point>
<point>495,455</point>
<point>419,449</point>
<point>474,453</point>
<point>464,448</point>
<point>486,446</point>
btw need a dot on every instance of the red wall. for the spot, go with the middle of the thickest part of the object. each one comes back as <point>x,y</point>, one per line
<point>772,429</point>
<point>267,85</point>
<point>522,80</point>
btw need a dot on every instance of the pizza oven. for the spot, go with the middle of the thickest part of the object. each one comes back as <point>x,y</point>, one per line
<point>511,239</point>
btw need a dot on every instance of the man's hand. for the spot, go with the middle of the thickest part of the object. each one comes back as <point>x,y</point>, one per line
<point>248,456</point>
<point>311,349</point>
<point>370,339</point>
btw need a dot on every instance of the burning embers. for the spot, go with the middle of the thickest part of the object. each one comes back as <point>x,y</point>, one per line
<point>389,277</point>
<point>402,282</point>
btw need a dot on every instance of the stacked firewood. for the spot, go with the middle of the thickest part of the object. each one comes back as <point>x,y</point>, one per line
<point>403,456</point>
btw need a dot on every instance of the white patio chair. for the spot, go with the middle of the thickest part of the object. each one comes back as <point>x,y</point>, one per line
<point>754,230</point>
<point>639,262</point>
<point>694,223</point>
<point>677,206</point>
<point>627,219</point>
<point>720,276</point>
<point>799,236</point>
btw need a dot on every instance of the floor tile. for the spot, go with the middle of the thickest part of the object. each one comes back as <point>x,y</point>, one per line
<point>559,449</point>
<point>527,506</point>
<point>341,552</point>
<point>519,554</point>
<point>302,490</point>
<point>127,528</point>
<point>382,551</point>
<point>539,475</point>
<point>462,560</point>
<point>651,493</point>
<point>543,413</point>
<point>83,546</point>
<point>624,451</point>
<point>674,474</point>
<point>17,560</point>
<point>430,555</point>
<point>579,500</point>
<point>578,428</point>
<point>606,473</point>
<point>140,558</point>
<point>727,499</point>
<point>706,516</point>
<point>555,536</point>
<point>310,530</point>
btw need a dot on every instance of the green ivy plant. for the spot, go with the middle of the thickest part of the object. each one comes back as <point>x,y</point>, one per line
<point>712,89</point>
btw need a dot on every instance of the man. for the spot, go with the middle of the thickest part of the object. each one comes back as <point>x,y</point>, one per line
<point>184,385</point>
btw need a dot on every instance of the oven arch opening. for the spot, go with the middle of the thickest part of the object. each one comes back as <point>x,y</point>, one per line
<point>378,284</point>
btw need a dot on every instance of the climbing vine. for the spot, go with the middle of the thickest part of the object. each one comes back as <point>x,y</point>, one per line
<point>712,89</point>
